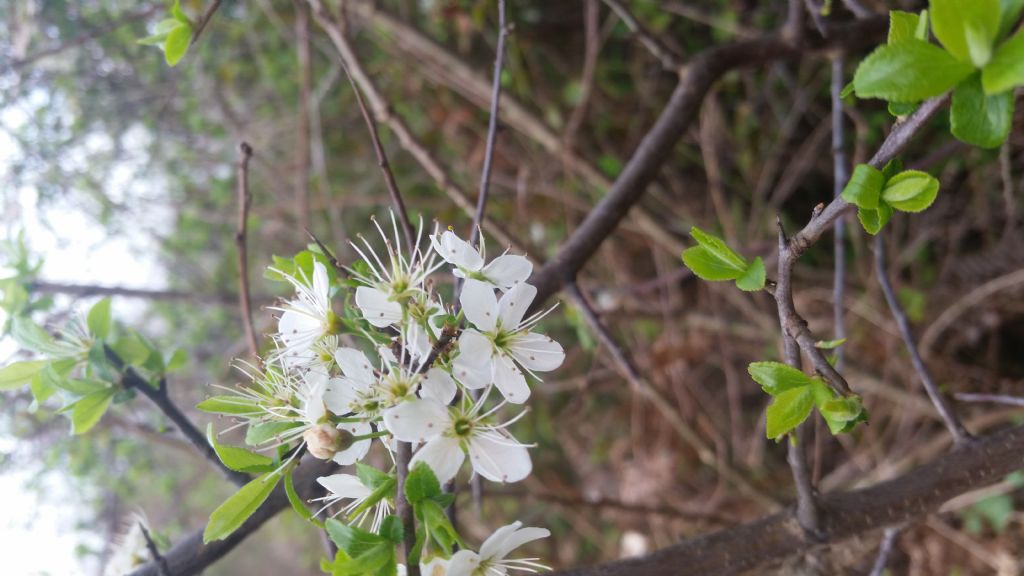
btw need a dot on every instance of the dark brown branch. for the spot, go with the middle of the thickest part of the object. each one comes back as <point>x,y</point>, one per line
<point>131,379</point>
<point>949,418</point>
<point>191,556</point>
<point>244,201</point>
<point>492,128</point>
<point>923,490</point>
<point>161,563</point>
<point>699,75</point>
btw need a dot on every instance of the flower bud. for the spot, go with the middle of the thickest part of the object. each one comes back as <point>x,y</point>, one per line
<point>322,440</point>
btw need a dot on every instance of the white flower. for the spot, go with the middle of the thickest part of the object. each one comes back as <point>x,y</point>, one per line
<point>349,487</point>
<point>387,285</point>
<point>448,433</point>
<point>130,550</point>
<point>492,559</point>
<point>505,271</point>
<point>361,391</point>
<point>307,318</point>
<point>502,341</point>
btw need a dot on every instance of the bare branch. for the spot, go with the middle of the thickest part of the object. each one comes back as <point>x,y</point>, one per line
<point>669,60</point>
<point>204,20</point>
<point>884,550</point>
<point>992,398</point>
<point>154,552</point>
<point>244,202</point>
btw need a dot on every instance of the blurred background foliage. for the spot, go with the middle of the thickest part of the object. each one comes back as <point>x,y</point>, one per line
<point>102,144</point>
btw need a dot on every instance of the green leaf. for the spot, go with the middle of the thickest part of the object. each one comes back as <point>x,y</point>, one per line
<point>177,360</point>
<point>239,459</point>
<point>132,348</point>
<point>237,509</point>
<point>228,404</point>
<point>842,414</point>
<point>911,191</point>
<point>978,119</point>
<point>967,28</point>
<point>178,13</point>
<point>18,374</point>
<point>788,410</point>
<point>910,71</point>
<point>421,484</point>
<point>354,541</point>
<point>903,26</point>
<point>712,259</point>
<point>847,91</point>
<point>177,44</point>
<point>874,220</point>
<point>864,187</point>
<point>1006,69</point>
<point>1011,10</point>
<point>370,476</point>
<point>753,279</point>
<point>89,409</point>
<point>31,337</point>
<point>431,514</point>
<point>296,501</point>
<point>265,432</point>
<point>829,344</point>
<point>391,529</point>
<point>776,377</point>
<point>80,386</point>
<point>98,319</point>
<point>898,109</point>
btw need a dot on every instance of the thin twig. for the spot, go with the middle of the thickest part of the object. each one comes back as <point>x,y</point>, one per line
<point>159,396</point>
<point>839,177</point>
<point>884,550</point>
<point>628,369</point>
<point>858,9</point>
<point>244,201</point>
<point>669,60</point>
<point>302,150</point>
<point>154,552</point>
<point>949,418</point>
<point>204,20</point>
<point>86,37</point>
<point>492,127</point>
<point>991,398</point>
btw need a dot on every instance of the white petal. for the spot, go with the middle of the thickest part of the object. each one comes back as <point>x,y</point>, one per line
<point>498,458</point>
<point>514,304</point>
<point>321,284</point>
<point>480,304</point>
<point>463,563</point>
<point>457,251</point>
<point>475,348</point>
<point>354,364</point>
<point>471,375</point>
<point>508,538</point>
<point>444,456</point>
<point>357,451</point>
<point>376,308</point>
<point>314,386</point>
<point>537,352</point>
<point>508,271</point>
<point>510,380</point>
<point>436,567</point>
<point>417,420</point>
<point>344,486</point>
<point>342,394</point>
<point>299,326</point>
<point>438,384</point>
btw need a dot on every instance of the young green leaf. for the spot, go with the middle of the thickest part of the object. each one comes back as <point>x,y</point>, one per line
<point>89,409</point>
<point>903,26</point>
<point>712,259</point>
<point>296,501</point>
<point>230,405</point>
<point>237,509</point>
<point>354,541</point>
<point>239,459</point>
<point>421,484</point>
<point>911,191</point>
<point>979,119</point>
<point>371,477</point>
<point>1006,69</point>
<point>31,337</point>
<point>864,187</point>
<point>177,360</point>
<point>910,71</point>
<point>753,279</point>
<point>267,431</point>
<point>18,374</point>
<point>177,43</point>
<point>178,13</point>
<point>842,414</point>
<point>98,319</point>
<point>874,220</point>
<point>967,28</point>
<point>1011,10</point>
<point>776,377</point>
<point>788,410</point>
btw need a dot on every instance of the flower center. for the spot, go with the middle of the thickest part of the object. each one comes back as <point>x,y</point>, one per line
<point>463,427</point>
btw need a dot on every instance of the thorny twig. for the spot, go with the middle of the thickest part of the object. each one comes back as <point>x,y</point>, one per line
<point>154,552</point>
<point>244,201</point>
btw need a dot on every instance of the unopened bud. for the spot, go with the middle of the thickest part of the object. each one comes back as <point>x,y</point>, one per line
<point>322,440</point>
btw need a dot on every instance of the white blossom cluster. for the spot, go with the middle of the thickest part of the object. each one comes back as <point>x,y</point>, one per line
<point>436,376</point>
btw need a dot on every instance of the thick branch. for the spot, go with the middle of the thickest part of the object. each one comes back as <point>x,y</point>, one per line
<point>847,514</point>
